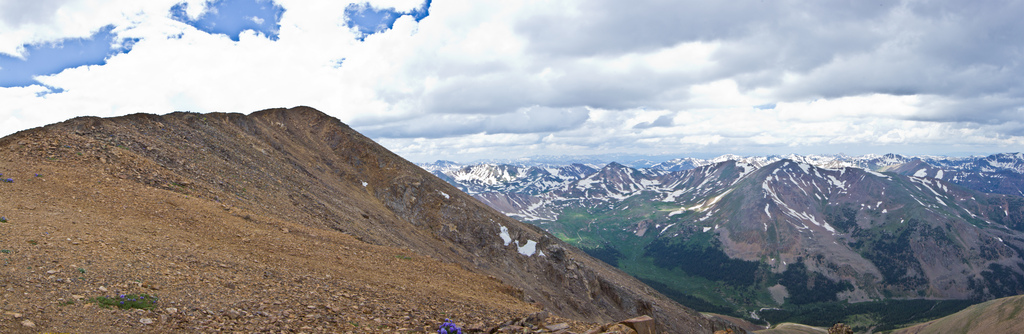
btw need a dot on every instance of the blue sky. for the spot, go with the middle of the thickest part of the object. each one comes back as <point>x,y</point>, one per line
<point>369,20</point>
<point>474,79</point>
<point>231,17</point>
<point>51,58</point>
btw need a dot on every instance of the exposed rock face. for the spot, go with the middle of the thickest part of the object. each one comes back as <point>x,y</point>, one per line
<point>840,328</point>
<point>303,166</point>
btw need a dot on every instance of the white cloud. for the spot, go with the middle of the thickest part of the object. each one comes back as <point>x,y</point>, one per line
<point>32,22</point>
<point>514,78</point>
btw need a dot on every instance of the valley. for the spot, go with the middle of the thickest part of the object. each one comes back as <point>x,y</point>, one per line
<point>742,236</point>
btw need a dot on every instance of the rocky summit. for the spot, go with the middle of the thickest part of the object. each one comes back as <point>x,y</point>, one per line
<point>281,220</point>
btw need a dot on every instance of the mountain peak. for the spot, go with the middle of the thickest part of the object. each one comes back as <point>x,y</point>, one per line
<point>240,204</point>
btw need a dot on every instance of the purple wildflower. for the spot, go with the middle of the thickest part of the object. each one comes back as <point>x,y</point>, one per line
<point>448,327</point>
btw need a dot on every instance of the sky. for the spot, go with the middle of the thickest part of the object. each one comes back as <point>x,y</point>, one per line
<point>465,80</point>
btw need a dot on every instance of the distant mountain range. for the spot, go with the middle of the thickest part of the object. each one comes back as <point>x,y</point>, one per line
<point>998,173</point>
<point>737,234</point>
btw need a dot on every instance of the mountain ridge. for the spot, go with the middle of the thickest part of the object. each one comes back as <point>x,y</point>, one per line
<point>305,170</point>
<point>848,228</point>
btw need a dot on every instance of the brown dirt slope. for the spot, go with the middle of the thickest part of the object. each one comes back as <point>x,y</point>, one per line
<point>1001,315</point>
<point>285,219</point>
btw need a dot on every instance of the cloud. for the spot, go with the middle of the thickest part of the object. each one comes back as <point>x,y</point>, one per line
<point>34,22</point>
<point>524,121</point>
<point>462,79</point>
<point>662,121</point>
<point>22,13</point>
<point>609,28</point>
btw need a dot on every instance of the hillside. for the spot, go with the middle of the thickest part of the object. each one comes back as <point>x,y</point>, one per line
<point>285,219</point>
<point>995,316</point>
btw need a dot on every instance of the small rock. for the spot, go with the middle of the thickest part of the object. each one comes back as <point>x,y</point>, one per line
<point>556,327</point>
<point>102,288</point>
<point>146,321</point>
<point>536,319</point>
<point>51,272</point>
<point>28,323</point>
<point>78,297</point>
<point>642,324</point>
<point>475,328</point>
<point>16,315</point>
<point>513,329</point>
<point>171,310</point>
<point>620,329</point>
<point>234,314</point>
<point>840,328</point>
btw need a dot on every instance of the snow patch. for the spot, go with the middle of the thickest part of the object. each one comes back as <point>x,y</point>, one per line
<point>938,175</point>
<point>921,173</point>
<point>445,195</point>
<point>876,173</point>
<point>836,183</point>
<point>707,229</point>
<point>709,203</point>
<point>671,197</point>
<point>504,235</point>
<point>364,184</point>
<point>529,248</point>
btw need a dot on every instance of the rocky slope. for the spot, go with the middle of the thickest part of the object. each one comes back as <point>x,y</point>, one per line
<point>278,220</point>
<point>995,316</point>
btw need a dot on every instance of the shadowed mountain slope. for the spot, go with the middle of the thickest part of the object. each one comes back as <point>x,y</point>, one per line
<point>248,201</point>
